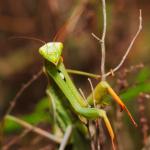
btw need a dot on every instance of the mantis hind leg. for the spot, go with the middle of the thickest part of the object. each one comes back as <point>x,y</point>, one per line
<point>93,113</point>
<point>108,125</point>
<point>103,115</point>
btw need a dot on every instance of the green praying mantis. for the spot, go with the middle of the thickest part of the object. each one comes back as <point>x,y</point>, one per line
<point>56,70</point>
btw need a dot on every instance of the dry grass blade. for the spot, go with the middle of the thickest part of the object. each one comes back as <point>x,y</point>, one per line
<point>37,130</point>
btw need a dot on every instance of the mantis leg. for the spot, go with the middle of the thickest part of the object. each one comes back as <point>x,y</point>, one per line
<point>101,90</point>
<point>60,114</point>
<point>122,105</point>
<point>83,73</point>
<point>93,113</point>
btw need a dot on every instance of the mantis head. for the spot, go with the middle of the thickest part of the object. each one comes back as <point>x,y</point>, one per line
<point>51,51</point>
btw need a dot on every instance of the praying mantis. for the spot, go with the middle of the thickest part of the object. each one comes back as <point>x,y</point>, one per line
<point>55,69</point>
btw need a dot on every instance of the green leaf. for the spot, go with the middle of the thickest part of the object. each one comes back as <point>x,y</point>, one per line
<point>133,92</point>
<point>143,75</point>
<point>39,115</point>
<point>42,105</point>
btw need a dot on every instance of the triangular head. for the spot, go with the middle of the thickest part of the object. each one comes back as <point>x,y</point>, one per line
<point>52,51</point>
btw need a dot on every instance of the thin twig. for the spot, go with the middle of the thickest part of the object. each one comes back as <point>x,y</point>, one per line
<point>82,93</point>
<point>34,129</point>
<point>103,40</point>
<point>130,46</point>
<point>104,21</point>
<point>66,138</point>
<point>97,122</point>
<point>22,89</point>
<point>128,49</point>
<point>92,89</point>
<point>89,123</point>
<point>15,140</point>
<point>96,37</point>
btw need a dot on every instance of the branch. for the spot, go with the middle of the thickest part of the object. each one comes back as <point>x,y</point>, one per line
<point>34,129</point>
<point>22,89</point>
<point>103,41</point>
<point>66,137</point>
<point>127,51</point>
<point>104,21</point>
<point>92,89</point>
<point>15,139</point>
<point>130,46</point>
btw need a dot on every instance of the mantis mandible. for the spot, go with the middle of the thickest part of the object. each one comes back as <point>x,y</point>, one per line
<point>56,70</point>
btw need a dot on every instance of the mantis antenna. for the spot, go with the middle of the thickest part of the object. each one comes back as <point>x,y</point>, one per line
<point>27,38</point>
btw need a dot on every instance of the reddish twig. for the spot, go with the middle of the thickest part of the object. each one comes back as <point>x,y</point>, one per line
<point>22,89</point>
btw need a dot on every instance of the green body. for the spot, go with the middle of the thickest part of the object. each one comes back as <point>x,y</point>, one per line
<point>56,70</point>
<point>67,87</point>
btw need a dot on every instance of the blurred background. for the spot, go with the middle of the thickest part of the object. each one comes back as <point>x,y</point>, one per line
<point>43,19</point>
